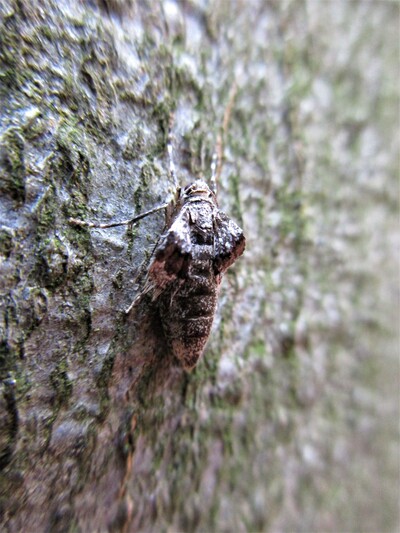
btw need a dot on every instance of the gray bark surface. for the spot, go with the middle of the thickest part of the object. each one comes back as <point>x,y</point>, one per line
<point>290,420</point>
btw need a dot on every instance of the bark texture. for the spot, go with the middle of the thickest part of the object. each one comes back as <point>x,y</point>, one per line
<point>289,422</point>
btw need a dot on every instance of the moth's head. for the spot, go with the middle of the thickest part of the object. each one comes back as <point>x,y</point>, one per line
<point>198,190</point>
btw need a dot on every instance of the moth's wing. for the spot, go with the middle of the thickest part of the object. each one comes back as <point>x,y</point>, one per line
<point>229,242</point>
<point>172,256</point>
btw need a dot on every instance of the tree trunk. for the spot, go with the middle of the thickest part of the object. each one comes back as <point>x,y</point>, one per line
<point>288,422</point>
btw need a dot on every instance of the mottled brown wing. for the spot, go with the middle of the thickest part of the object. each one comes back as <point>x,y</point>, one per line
<point>229,242</point>
<point>172,256</point>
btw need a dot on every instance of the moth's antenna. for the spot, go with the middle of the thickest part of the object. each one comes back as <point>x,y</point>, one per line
<point>213,179</point>
<point>216,164</point>
<point>172,170</point>
<point>85,224</point>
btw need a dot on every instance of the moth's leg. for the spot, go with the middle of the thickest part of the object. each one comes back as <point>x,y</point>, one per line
<point>83,223</point>
<point>144,264</point>
<point>86,224</point>
<point>134,303</point>
<point>217,159</point>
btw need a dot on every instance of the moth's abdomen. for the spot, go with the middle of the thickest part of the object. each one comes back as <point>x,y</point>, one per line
<point>187,313</point>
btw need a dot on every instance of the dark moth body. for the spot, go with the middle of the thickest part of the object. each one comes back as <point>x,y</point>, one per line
<point>200,244</point>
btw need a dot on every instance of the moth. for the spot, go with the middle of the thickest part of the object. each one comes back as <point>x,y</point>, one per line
<point>200,243</point>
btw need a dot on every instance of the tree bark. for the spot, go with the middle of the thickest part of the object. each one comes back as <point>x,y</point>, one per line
<point>288,423</point>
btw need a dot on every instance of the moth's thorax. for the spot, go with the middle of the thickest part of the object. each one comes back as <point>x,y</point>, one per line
<point>198,191</point>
